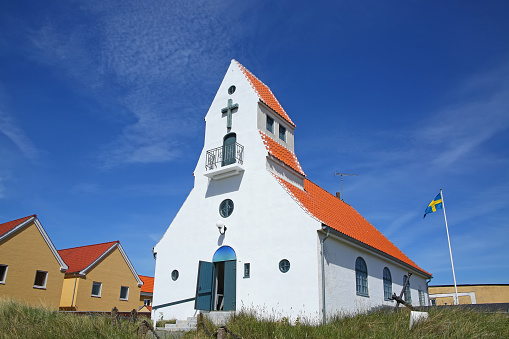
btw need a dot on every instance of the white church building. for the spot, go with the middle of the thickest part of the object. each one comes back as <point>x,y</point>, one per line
<point>256,233</point>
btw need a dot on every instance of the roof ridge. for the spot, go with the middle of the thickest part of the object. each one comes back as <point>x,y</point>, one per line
<point>268,98</point>
<point>102,243</point>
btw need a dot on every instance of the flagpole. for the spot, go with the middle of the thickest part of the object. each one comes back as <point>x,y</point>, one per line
<point>456,300</point>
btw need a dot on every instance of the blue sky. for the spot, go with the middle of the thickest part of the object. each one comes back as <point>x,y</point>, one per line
<point>102,106</point>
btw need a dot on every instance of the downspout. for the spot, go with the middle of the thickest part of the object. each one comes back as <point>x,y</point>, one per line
<point>324,320</point>
<point>73,291</point>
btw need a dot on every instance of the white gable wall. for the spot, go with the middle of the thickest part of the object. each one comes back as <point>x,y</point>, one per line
<point>265,227</point>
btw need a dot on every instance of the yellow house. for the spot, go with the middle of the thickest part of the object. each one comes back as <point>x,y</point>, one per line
<point>469,294</point>
<point>30,266</point>
<point>147,291</point>
<point>99,278</point>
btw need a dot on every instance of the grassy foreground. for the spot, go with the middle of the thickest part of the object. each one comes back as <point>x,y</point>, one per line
<point>442,323</point>
<point>18,320</point>
<point>22,321</point>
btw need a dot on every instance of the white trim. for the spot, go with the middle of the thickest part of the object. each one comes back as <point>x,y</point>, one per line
<point>43,286</point>
<point>63,266</point>
<point>5,274</point>
<point>460,294</point>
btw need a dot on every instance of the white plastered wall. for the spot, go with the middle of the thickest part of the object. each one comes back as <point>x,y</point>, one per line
<point>341,296</point>
<point>265,226</point>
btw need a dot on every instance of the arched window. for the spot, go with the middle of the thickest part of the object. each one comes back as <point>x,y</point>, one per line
<point>361,277</point>
<point>407,295</point>
<point>387,284</point>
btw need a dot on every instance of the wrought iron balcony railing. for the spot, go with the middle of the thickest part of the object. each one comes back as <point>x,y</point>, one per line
<point>224,155</point>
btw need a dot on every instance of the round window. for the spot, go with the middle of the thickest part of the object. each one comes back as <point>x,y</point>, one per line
<point>226,208</point>
<point>284,265</point>
<point>231,90</point>
<point>174,275</point>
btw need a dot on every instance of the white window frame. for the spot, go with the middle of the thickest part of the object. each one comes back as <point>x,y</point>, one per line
<point>127,293</point>
<point>100,289</point>
<point>4,275</point>
<point>43,286</point>
<point>147,302</point>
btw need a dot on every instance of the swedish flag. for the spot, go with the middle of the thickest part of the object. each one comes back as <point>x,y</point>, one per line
<point>434,205</point>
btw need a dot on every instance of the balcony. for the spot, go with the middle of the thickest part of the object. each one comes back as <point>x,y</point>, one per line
<point>224,161</point>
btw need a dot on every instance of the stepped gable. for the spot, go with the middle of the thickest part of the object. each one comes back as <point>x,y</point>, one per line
<point>342,217</point>
<point>7,226</point>
<point>265,94</point>
<point>79,258</point>
<point>281,153</point>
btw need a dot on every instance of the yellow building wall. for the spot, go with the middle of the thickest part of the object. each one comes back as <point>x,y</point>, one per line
<point>68,298</point>
<point>484,294</point>
<point>142,300</point>
<point>25,252</point>
<point>113,272</point>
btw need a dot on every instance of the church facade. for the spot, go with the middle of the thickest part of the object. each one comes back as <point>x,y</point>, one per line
<point>256,233</point>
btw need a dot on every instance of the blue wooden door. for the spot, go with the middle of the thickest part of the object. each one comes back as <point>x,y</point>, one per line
<point>230,285</point>
<point>204,286</point>
<point>229,144</point>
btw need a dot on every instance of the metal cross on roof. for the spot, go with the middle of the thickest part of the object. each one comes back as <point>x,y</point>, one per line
<point>228,109</point>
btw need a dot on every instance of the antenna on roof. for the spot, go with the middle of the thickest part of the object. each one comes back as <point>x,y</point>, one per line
<point>341,175</point>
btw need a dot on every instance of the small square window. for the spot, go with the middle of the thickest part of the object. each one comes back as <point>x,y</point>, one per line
<point>270,124</point>
<point>282,133</point>
<point>40,279</point>
<point>147,302</point>
<point>247,270</point>
<point>124,293</point>
<point>3,273</point>
<point>96,289</point>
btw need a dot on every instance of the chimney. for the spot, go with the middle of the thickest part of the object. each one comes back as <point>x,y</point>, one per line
<point>337,195</point>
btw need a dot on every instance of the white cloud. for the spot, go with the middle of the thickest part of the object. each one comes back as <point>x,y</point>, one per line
<point>13,132</point>
<point>140,59</point>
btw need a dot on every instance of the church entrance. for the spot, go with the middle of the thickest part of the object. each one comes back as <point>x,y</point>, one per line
<point>217,282</point>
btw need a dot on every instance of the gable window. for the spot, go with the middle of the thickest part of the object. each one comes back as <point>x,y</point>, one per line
<point>3,273</point>
<point>387,284</point>
<point>407,294</point>
<point>270,124</point>
<point>124,293</point>
<point>247,270</point>
<point>282,133</point>
<point>96,289</point>
<point>361,277</point>
<point>40,279</point>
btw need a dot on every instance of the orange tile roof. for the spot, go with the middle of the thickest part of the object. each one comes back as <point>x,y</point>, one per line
<point>148,284</point>
<point>281,153</point>
<point>342,217</point>
<point>265,94</point>
<point>79,258</point>
<point>7,226</point>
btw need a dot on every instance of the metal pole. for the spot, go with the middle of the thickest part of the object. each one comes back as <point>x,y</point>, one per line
<point>456,300</point>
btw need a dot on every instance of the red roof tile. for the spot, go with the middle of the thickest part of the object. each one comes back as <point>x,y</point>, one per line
<point>265,94</point>
<point>343,218</point>
<point>7,226</point>
<point>281,153</point>
<point>148,284</point>
<point>79,258</point>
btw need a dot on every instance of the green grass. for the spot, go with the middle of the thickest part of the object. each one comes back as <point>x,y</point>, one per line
<point>19,320</point>
<point>442,323</point>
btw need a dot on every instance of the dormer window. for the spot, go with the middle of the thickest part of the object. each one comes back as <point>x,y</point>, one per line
<point>270,124</point>
<point>282,133</point>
